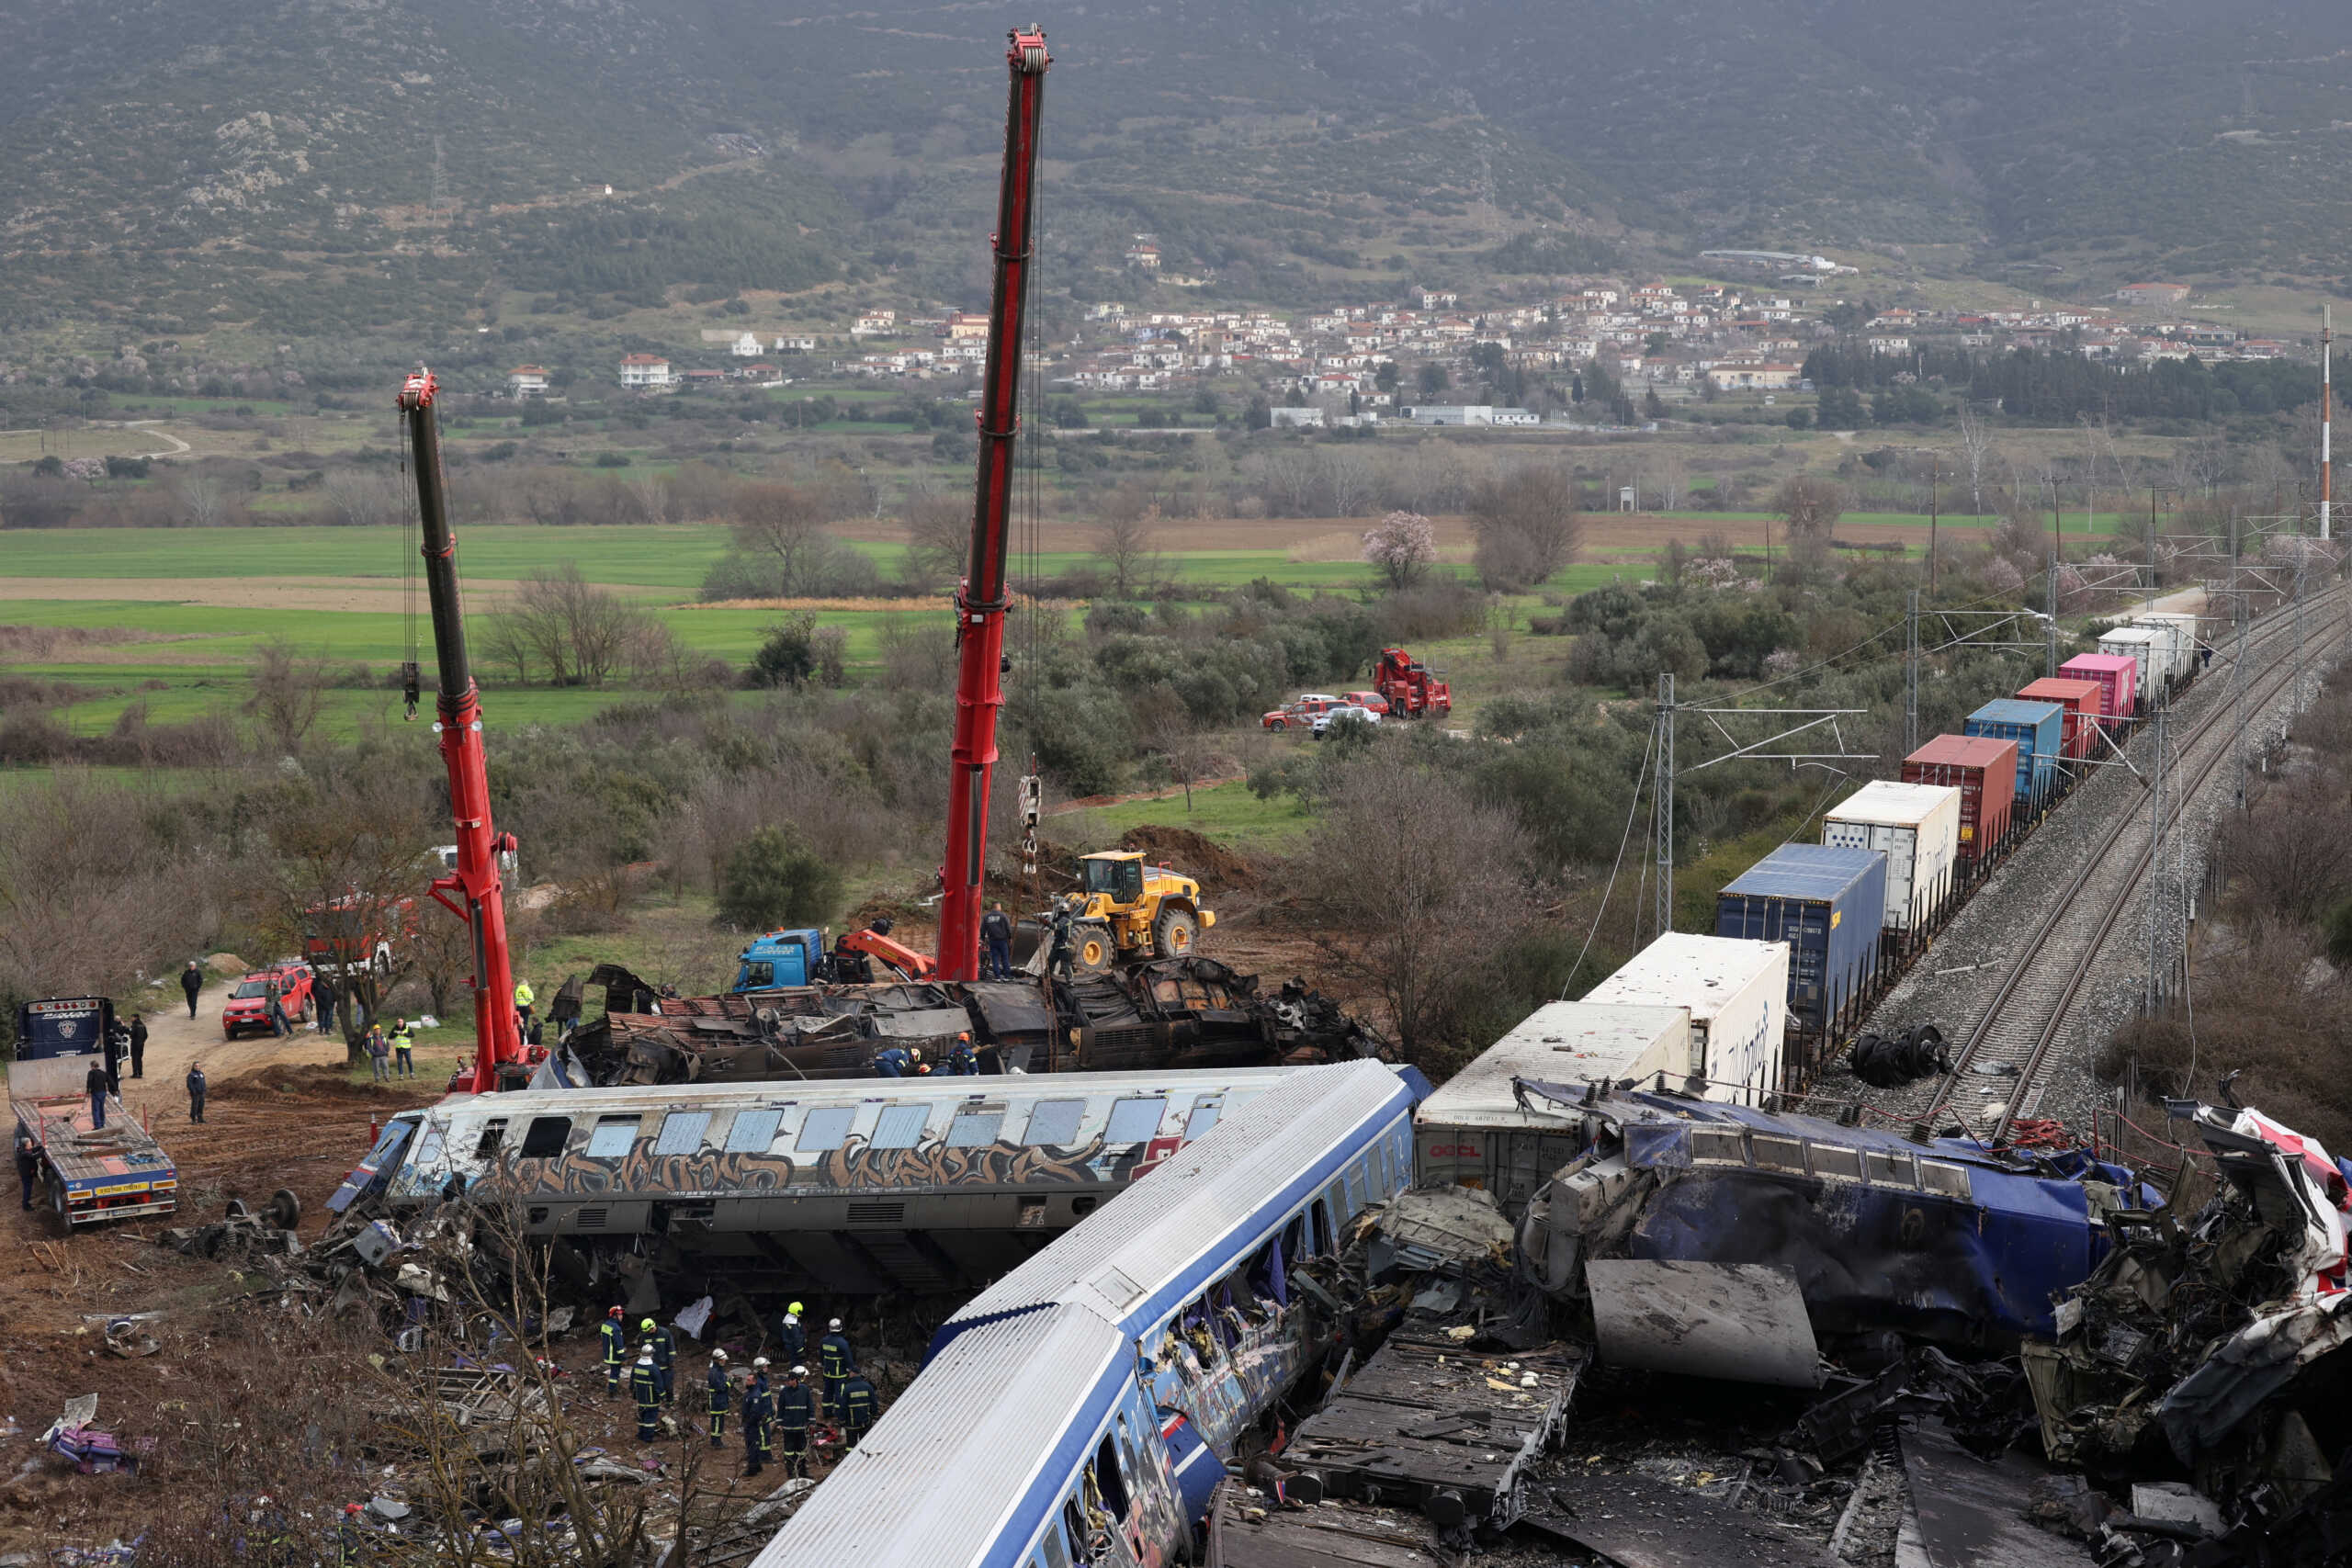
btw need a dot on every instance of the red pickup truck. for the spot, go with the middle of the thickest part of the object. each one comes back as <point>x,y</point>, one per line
<point>248,1004</point>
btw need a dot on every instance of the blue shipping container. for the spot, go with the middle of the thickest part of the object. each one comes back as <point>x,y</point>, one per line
<point>2039,731</point>
<point>1826,905</point>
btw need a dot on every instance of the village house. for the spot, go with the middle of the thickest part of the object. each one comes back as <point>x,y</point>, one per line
<point>2152,293</point>
<point>527,381</point>
<point>873,322</point>
<point>645,370</point>
<point>1754,377</point>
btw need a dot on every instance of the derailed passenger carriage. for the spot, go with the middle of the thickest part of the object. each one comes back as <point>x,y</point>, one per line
<point>1082,1409</point>
<point>865,1185</point>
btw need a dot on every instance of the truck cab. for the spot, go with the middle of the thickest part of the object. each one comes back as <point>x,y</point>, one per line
<point>780,958</point>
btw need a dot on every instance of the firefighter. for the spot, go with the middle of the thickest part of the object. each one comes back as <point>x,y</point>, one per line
<point>664,1345</point>
<point>861,1405</point>
<point>962,1060</point>
<point>899,1062</point>
<point>791,1339</point>
<point>615,1334</point>
<point>349,1536</point>
<point>837,1362</point>
<point>644,1383</point>
<point>721,1393</point>
<point>1059,956</point>
<point>796,1412</point>
<point>759,1417</point>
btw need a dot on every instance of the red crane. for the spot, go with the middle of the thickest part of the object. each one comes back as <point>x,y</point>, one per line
<point>498,1039</point>
<point>980,602</point>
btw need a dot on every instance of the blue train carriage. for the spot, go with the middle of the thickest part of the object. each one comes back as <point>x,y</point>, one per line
<point>1082,1409</point>
<point>2038,728</point>
<point>869,1185</point>
<point>1829,903</point>
<point>88,1174</point>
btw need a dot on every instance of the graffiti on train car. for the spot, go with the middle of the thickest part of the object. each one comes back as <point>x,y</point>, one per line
<point>854,1166</point>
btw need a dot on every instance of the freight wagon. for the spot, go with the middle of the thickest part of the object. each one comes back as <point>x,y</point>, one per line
<point>1917,827</point>
<point>2039,730</point>
<point>2147,647</point>
<point>1985,770</point>
<point>2177,641</point>
<point>1737,995</point>
<point>1826,905</point>
<point>2081,699</point>
<point>2118,678</point>
<point>1476,1131</point>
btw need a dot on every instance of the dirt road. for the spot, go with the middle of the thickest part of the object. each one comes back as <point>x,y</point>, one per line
<point>174,1041</point>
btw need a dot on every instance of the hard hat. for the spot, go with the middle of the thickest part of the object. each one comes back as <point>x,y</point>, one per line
<point>613,1312</point>
<point>800,1371</point>
<point>835,1326</point>
<point>759,1361</point>
<point>645,1356</point>
<point>646,1326</point>
<point>796,1309</point>
<point>351,1508</point>
<point>716,1354</point>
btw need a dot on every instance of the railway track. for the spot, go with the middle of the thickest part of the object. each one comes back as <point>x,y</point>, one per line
<point>2026,1016</point>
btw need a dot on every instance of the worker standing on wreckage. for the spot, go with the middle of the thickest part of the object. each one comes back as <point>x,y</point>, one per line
<point>615,1336</point>
<point>645,1383</point>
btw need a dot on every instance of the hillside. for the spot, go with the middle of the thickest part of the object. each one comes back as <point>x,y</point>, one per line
<point>308,167</point>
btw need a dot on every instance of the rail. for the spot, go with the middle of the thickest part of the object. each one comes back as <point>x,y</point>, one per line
<point>2023,1021</point>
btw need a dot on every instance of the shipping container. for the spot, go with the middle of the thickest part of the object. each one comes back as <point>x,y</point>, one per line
<point>2149,646</point>
<point>2119,673</point>
<point>1736,994</point>
<point>2038,728</point>
<point>1917,827</point>
<point>1985,770</point>
<point>2081,700</point>
<point>1475,1133</point>
<point>2182,649</point>
<point>1827,904</point>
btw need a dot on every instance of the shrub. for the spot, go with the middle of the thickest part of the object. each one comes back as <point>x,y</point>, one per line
<point>773,878</point>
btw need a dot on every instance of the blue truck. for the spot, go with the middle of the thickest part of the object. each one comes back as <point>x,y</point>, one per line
<point>90,1174</point>
<point>781,958</point>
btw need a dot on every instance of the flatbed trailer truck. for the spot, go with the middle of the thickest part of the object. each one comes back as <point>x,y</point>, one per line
<point>90,1175</point>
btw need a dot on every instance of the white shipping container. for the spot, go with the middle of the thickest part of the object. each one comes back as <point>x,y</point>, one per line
<point>1474,1133</point>
<point>1917,827</point>
<point>1737,994</point>
<point>2180,645</point>
<point>2153,648</point>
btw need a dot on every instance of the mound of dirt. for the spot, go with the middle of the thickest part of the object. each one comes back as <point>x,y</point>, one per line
<point>227,966</point>
<point>1215,867</point>
<point>308,1082</point>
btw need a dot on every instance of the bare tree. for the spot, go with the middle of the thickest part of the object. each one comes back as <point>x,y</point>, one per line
<point>786,523</point>
<point>1126,546</point>
<point>289,691</point>
<point>939,533</point>
<point>362,498</point>
<point>1527,526</point>
<point>1976,449</point>
<point>580,633</point>
<point>91,902</point>
<point>1809,507</point>
<point>202,500</point>
<point>1347,481</point>
<point>1669,478</point>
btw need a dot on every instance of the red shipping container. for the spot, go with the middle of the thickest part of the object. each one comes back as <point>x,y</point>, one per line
<point>2119,673</point>
<point>2083,704</point>
<point>1985,770</point>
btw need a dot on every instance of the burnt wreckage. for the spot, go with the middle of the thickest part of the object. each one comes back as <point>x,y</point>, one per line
<point>1169,1013</point>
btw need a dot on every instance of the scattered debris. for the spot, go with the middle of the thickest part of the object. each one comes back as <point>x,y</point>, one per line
<point>1891,1061</point>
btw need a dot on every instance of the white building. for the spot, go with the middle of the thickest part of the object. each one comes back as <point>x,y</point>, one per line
<point>527,381</point>
<point>1297,419</point>
<point>645,370</point>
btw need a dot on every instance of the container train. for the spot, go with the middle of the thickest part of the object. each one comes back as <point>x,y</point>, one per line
<point>1895,860</point>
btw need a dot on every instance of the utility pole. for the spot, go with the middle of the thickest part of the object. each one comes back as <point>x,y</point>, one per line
<point>2050,627</point>
<point>1932,473</point>
<point>2326,413</point>
<point>1662,804</point>
<point>2156,863</point>
<point>1911,676</point>
<point>2237,684</point>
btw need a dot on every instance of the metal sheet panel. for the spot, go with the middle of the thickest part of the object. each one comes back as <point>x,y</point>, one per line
<point>1740,1321</point>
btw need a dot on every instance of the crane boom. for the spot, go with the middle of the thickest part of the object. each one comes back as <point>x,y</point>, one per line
<point>980,603</point>
<point>473,893</point>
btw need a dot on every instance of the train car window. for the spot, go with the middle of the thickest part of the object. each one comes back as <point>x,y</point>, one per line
<point>901,1126</point>
<point>1128,1452</point>
<point>974,1129</point>
<point>1108,1481</point>
<point>614,1137</point>
<point>753,1132</point>
<point>682,1131</point>
<point>826,1128</point>
<point>1830,1160</point>
<point>1203,1118</point>
<point>1074,1525</point>
<point>1321,1213</point>
<point>544,1138</point>
<point>1054,1553</point>
<point>1054,1123</point>
<point>1135,1121</point>
<point>1893,1170</point>
<point>1949,1179</point>
<point>493,1132</point>
<point>1295,1237</point>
